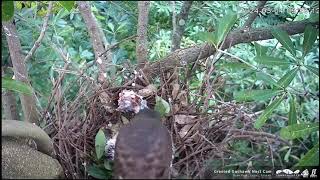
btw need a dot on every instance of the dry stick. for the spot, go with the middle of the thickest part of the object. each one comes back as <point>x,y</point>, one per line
<point>192,154</point>
<point>54,91</point>
<point>257,134</point>
<point>42,33</point>
<point>208,75</point>
<point>271,152</point>
<point>244,162</point>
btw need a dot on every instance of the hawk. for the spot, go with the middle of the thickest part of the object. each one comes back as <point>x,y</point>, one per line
<point>143,148</point>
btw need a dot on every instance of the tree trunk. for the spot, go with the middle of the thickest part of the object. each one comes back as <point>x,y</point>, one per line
<point>28,102</point>
<point>9,105</point>
<point>142,32</point>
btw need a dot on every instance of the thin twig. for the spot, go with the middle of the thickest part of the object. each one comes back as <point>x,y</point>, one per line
<point>42,33</point>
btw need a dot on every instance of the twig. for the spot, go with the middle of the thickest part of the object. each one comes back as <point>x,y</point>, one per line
<point>257,134</point>
<point>117,44</point>
<point>42,33</point>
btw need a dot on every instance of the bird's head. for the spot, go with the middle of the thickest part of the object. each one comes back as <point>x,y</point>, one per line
<point>129,101</point>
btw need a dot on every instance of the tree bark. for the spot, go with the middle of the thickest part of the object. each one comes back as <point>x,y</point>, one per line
<point>9,105</point>
<point>179,25</point>
<point>142,32</point>
<point>96,36</point>
<point>28,102</point>
<point>184,56</point>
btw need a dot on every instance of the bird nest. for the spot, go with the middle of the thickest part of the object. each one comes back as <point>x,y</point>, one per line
<point>199,138</point>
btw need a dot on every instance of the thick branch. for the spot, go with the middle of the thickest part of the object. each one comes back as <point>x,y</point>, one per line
<point>188,55</point>
<point>43,30</point>
<point>28,102</point>
<point>142,40</point>
<point>179,25</point>
<point>95,36</point>
<point>9,103</point>
<point>254,14</point>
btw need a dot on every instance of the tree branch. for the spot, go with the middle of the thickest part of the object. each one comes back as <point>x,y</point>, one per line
<point>43,30</point>
<point>9,103</point>
<point>142,40</point>
<point>28,102</point>
<point>96,38</point>
<point>179,25</point>
<point>189,55</point>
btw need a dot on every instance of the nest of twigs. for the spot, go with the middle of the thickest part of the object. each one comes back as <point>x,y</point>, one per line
<point>197,137</point>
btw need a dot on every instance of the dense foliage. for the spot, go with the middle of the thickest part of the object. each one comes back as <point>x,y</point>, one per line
<point>278,78</point>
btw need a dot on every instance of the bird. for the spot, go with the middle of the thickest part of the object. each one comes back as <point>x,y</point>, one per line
<point>143,148</point>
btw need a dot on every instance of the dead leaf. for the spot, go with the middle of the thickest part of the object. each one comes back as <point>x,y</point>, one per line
<point>175,108</point>
<point>184,131</point>
<point>124,120</point>
<point>184,119</point>
<point>148,91</point>
<point>194,138</point>
<point>106,103</point>
<point>175,90</point>
<point>183,98</point>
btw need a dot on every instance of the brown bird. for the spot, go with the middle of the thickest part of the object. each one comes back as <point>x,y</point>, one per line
<point>143,148</point>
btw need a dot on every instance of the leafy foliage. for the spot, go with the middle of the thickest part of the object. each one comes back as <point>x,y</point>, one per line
<point>162,106</point>
<point>311,158</point>
<point>299,130</point>
<point>100,143</point>
<point>7,10</point>
<point>67,4</point>
<point>281,74</point>
<point>15,85</point>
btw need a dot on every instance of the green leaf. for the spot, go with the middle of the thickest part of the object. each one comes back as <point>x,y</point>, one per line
<point>310,36</point>
<point>107,165</point>
<point>100,143</point>
<point>15,85</point>
<point>298,130</point>
<point>284,39</point>
<point>292,112</point>
<point>287,78</point>
<point>162,106</point>
<point>98,172</point>
<point>235,65</point>
<point>267,79</point>
<point>267,112</point>
<point>224,26</point>
<point>254,95</point>
<point>260,50</point>
<point>111,26</point>
<point>271,61</point>
<point>314,70</point>
<point>311,158</point>
<point>86,54</point>
<point>286,157</point>
<point>7,10</point>
<point>68,5</point>
<point>314,17</point>
<point>207,37</point>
